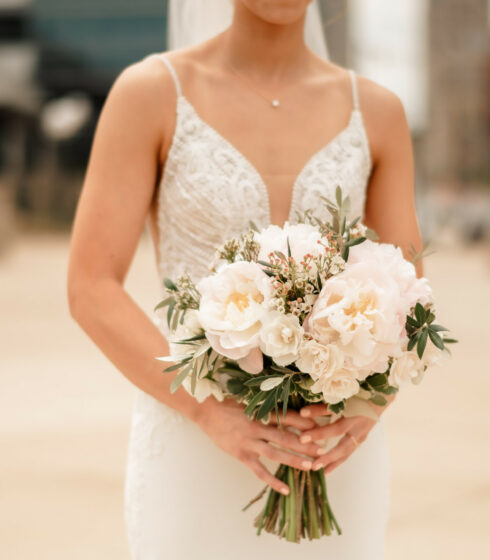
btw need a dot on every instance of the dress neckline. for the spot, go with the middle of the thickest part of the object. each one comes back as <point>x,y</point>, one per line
<point>251,167</point>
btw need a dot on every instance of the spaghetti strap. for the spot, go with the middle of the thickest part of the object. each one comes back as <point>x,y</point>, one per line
<point>355,92</point>
<point>173,73</point>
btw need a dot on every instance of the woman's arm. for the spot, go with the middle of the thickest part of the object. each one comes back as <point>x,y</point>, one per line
<point>390,203</point>
<point>115,200</point>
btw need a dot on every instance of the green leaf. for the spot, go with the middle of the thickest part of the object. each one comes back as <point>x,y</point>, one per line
<point>354,222</point>
<point>387,390</point>
<point>378,400</point>
<point>285,395</point>
<point>430,317</point>
<point>267,405</point>
<point>438,328</point>
<point>412,322</point>
<point>271,383</point>
<point>420,313</point>
<point>235,385</point>
<point>178,365</point>
<point>289,246</point>
<point>169,312</point>
<point>337,407</point>
<point>280,254</point>
<point>355,241</point>
<point>376,379</point>
<point>413,341</point>
<point>254,402</point>
<point>422,342</point>
<point>170,285</point>
<point>256,380</point>
<point>436,339</point>
<point>163,303</point>
<point>450,340</point>
<point>338,195</point>
<point>179,378</point>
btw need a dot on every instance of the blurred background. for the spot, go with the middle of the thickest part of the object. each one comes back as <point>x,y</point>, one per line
<point>65,411</point>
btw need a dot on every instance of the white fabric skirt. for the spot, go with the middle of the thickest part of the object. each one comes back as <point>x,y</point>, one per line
<point>184,495</point>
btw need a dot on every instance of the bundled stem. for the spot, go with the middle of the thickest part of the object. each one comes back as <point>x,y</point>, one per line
<point>305,511</point>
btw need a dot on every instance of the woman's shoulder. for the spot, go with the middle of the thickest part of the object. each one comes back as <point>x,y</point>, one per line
<point>383,113</point>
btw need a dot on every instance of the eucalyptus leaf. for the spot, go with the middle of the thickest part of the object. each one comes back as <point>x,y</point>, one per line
<point>163,303</point>
<point>271,383</point>
<point>179,378</point>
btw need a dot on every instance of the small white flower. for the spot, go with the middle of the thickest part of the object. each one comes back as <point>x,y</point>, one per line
<point>204,388</point>
<point>280,337</point>
<point>405,368</point>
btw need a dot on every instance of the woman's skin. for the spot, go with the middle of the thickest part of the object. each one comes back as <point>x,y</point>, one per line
<point>265,46</point>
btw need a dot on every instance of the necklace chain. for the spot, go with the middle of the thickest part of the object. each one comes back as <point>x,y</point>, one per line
<point>275,103</point>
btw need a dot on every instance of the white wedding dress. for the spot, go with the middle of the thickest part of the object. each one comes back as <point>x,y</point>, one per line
<point>183,493</point>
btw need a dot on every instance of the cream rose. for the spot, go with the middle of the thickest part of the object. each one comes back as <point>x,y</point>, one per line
<point>319,359</point>
<point>339,385</point>
<point>233,304</point>
<point>280,337</point>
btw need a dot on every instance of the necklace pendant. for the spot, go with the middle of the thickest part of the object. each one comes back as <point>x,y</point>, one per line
<point>275,103</point>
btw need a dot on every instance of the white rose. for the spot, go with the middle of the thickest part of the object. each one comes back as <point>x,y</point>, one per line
<point>319,359</point>
<point>339,385</point>
<point>303,239</point>
<point>280,337</point>
<point>233,303</point>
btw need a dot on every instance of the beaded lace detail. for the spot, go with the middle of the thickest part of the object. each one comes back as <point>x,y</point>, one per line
<point>210,191</point>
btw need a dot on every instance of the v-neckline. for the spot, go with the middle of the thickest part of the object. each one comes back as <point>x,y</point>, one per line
<point>254,170</point>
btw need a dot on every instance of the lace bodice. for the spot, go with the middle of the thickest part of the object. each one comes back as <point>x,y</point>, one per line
<point>210,191</point>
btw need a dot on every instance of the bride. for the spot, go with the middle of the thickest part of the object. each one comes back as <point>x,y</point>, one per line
<point>249,124</point>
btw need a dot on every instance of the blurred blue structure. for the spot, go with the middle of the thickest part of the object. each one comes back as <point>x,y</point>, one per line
<point>85,43</point>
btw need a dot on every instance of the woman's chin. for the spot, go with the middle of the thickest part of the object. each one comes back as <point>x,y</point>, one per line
<point>278,12</point>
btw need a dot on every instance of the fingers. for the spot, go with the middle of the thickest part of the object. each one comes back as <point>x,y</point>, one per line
<point>294,420</point>
<point>312,410</point>
<point>281,456</point>
<point>288,439</point>
<point>336,455</point>
<point>258,468</point>
<point>330,430</point>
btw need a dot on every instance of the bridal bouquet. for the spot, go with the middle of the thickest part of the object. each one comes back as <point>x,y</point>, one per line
<point>312,312</point>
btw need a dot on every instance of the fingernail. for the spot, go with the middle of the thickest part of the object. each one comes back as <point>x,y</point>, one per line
<point>285,491</point>
<point>305,439</point>
<point>304,412</point>
<point>306,464</point>
<point>321,451</point>
<point>318,467</point>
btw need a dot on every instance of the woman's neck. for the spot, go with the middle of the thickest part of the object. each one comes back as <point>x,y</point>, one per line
<point>262,49</point>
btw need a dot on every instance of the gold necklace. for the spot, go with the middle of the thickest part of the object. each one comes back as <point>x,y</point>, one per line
<point>275,103</point>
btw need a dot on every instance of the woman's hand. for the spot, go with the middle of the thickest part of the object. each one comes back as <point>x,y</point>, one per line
<point>354,430</point>
<point>246,440</point>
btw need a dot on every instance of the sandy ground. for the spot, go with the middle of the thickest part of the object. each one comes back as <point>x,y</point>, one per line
<point>65,411</point>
